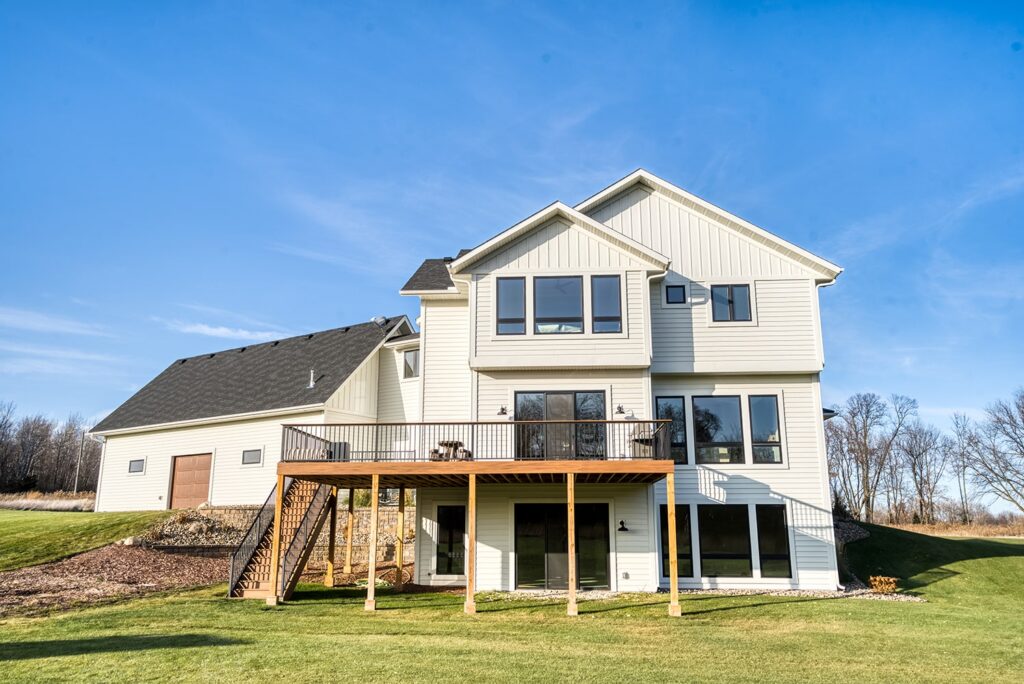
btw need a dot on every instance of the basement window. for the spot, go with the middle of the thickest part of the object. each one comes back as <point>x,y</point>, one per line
<point>252,457</point>
<point>137,466</point>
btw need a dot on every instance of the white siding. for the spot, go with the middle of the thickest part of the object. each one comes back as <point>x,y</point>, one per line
<point>626,387</point>
<point>558,245</point>
<point>801,482</point>
<point>783,337</point>
<point>632,562</point>
<point>231,483</point>
<point>398,399</point>
<point>356,400</point>
<point>444,344</point>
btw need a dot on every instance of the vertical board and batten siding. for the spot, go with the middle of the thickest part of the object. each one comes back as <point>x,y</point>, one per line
<point>444,357</point>
<point>356,400</point>
<point>398,399</point>
<point>558,245</point>
<point>627,388</point>
<point>231,483</point>
<point>632,561</point>
<point>782,338</point>
<point>801,482</point>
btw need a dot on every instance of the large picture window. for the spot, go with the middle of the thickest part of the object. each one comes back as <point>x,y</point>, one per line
<point>718,429</point>
<point>765,436</point>
<point>684,546</point>
<point>773,541</point>
<point>671,408</point>
<point>511,306</point>
<point>606,302</point>
<point>451,530</point>
<point>730,303</point>
<point>724,532</point>
<point>558,304</point>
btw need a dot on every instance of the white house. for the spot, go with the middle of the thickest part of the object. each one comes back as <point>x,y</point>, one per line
<point>568,373</point>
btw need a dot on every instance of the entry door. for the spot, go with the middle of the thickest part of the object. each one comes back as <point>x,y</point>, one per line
<point>190,484</point>
<point>542,546</point>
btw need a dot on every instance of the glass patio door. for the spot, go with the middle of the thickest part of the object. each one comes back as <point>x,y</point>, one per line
<point>542,546</point>
<point>560,440</point>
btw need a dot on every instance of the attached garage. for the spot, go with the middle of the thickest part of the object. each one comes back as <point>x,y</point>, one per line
<point>190,484</point>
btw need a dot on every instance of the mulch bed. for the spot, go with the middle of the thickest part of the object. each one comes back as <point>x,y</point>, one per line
<point>101,575</point>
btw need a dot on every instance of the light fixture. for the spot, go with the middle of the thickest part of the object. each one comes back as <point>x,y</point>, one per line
<point>619,410</point>
<point>503,411</point>
<point>622,526</point>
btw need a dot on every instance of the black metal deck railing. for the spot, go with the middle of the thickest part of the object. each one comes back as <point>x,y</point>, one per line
<point>294,556</point>
<point>243,553</point>
<point>601,440</point>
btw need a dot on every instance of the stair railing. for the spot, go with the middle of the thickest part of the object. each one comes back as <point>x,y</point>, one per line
<point>305,534</point>
<point>246,549</point>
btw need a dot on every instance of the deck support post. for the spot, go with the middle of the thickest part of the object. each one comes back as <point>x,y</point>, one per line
<point>275,546</point>
<point>470,607</point>
<point>399,547</point>
<point>347,569</point>
<point>570,501</point>
<point>673,556</point>
<point>332,502</point>
<point>371,550</point>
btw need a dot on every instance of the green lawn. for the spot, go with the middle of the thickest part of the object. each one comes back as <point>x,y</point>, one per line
<point>971,629</point>
<point>33,537</point>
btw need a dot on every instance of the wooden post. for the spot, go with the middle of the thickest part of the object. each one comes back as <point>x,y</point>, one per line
<point>673,555</point>
<point>399,548</point>
<point>332,530</point>
<point>470,607</point>
<point>275,546</point>
<point>348,532</point>
<point>570,491</point>
<point>371,550</point>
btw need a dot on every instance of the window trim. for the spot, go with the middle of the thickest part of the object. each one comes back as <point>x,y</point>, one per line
<point>778,417</point>
<point>583,312</point>
<point>498,320</point>
<point>484,297</point>
<point>789,536</point>
<point>594,318</point>
<point>743,432</point>
<point>419,359</point>
<point>754,559</point>
<point>752,290</point>
<point>145,465</point>
<point>686,425</point>
<point>254,464</point>
<point>687,295</point>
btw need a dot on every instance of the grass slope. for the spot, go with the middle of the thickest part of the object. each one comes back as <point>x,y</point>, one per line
<point>970,630</point>
<point>34,537</point>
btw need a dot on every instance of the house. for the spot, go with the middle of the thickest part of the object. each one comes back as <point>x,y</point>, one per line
<point>571,376</point>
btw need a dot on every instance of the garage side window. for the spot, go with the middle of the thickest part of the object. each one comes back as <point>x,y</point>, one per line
<point>136,466</point>
<point>252,457</point>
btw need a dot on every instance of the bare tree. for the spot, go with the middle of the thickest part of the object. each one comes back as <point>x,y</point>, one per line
<point>894,487</point>
<point>998,451</point>
<point>925,452</point>
<point>960,458</point>
<point>8,444</point>
<point>842,473</point>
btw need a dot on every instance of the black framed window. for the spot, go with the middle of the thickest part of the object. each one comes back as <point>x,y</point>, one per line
<point>451,549</point>
<point>718,429</point>
<point>724,532</point>
<point>684,545</point>
<point>511,306</point>
<point>558,304</point>
<point>252,456</point>
<point>773,541</point>
<point>672,408</point>
<point>411,364</point>
<point>765,435</point>
<point>730,302</point>
<point>559,438</point>
<point>606,303</point>
<point>137,465</point>
<point>675,294</point>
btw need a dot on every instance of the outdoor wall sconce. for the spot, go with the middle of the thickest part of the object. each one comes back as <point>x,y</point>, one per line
<point>503,411</point>
<point>622,526</point>
<point>619,410</point>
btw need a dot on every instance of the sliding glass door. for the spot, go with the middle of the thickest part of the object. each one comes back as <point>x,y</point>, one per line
<point>560,440</point>
<point>542,546</point>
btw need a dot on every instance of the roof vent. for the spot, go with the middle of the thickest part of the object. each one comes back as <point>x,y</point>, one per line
<point>381,321</point>
<point>211,356</point>
<point>448,260</point>
<point>312,379</point>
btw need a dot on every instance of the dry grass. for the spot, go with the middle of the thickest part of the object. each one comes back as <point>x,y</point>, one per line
<point>1015,529</point>
<point>48,501</point>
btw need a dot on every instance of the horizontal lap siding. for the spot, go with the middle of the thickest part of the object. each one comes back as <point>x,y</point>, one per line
<point>397,399</point>
<point>231,482</point>
<point>445,359</point>
<point>626,387</point>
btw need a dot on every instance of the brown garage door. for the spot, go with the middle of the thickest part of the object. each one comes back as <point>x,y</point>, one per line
<point>191,484</point>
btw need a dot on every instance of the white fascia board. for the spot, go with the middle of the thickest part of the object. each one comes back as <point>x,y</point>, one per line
<point>641,176</point>
<point>230,418</point>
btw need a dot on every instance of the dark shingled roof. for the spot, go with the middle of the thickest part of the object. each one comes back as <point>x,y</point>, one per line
<point>260,377</point>
<point>433,274</point>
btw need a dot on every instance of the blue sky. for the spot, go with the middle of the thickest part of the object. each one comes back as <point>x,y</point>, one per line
<point>181,178</point>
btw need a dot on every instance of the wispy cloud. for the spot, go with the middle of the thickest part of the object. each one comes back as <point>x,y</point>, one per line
<point>220,331</point>
<point>53,353</point>
<point>240,318</point>
<point>35,321</point>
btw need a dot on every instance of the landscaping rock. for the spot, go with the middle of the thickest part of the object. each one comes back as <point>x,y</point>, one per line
<point>192,528</point>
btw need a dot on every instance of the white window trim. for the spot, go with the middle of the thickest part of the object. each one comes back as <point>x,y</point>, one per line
<point>436,532</point>
<point>752,323</point>
<point>145,466</point>
<point>674,282</point>
<point>258,464</point>
<point>588,305</point>
<point>401,365</point>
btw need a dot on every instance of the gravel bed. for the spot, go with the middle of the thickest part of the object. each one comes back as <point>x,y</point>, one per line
<point>848,531</point>
<point>853,591</point>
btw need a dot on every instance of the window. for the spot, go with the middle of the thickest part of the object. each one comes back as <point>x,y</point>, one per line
<point>671,408</point>
<point>511,306</point>
<point>718,429</point>
<point>606,303</point>
<point>773,541</point>
<point>559,438</point>
<point>730,302</point>
<point>724,532</point>
<point>684,550</point>
<point>137,466</point>
<point>252,456</point>
<point>451,528</point>
<point>675,294</point>
<point>411,364</point>
<point>558,304</point>
<point>764,429</point>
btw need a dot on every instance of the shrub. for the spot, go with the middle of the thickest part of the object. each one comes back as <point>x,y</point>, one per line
<point>880,584</point>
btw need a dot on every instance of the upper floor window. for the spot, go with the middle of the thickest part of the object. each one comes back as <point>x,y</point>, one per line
<point>730,303</point>
<point>558,304</point>
<point>252,456</point>
<point>137,466</point>
<point>675,294</point>
<point>765,437</point>
<point>606,301</point>
<point>511,306</point>
<point>718,429</point>
<point>411,364</point>
<point>671,408</point>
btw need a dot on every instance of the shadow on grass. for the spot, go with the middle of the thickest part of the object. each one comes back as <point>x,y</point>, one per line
<point>30,650</point>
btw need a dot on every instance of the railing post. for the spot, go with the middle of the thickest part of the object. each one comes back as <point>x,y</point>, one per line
<point>333,528</point>
<point>275,547</point>
<point>371,551</point>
